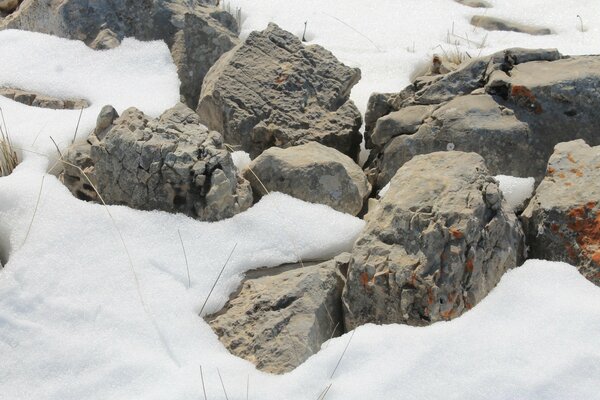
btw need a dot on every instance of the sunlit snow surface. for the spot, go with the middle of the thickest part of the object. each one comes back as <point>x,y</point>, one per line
<point>72,321</point>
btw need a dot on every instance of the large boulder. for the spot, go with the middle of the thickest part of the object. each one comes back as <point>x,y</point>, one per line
<point>172,163</point>
<point>281,316</point>
<point>271,90</point>
<point>311,172</point>
<point>439,240</point>
<point>512,108</point>
<point>196,34</point>
<point>562,221</point>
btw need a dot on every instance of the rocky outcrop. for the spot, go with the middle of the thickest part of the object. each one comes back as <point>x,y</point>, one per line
<point>439,240</point>
<point>281,316</point>
<point>311,172</point>
<point>512,108</point>
<point>497,24</point>
<point>272,90</point>
<point>195,38</point>
<point>172,163</point>
<point>40,100</point>
<point>562,221</point>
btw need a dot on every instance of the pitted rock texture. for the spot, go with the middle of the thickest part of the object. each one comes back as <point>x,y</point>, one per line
<point>311,172</point>
<point>281,316</point>
<point>39,100</point>
<point>512,108</point>
<point>562,221</point>
<point>195,38</point>
<point>436,244</point>
<point>271,90</point>
<point>172,163</point>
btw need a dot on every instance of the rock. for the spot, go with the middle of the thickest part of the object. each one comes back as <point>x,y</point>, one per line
<point>437,243</point>
<point>172,163</point>
<point>271,90</point>
<point>311,172</point>
<point>512,108</point>
<point>403,122</point>
<point>195,38</point>
<point>498,24</point>
<point>40,100</point>
<point>474,3</point>
<point>282,316</point>
<point>9,6</point>
<point>562,221</point>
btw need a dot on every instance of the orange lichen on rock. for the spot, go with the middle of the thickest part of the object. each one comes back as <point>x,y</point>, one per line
<point>570,158</point>
<point>525,98</point>
<point>456,233</point>
<point>561,175</point>
<point>577,172</point>
<point>551,171</point>
<point>585,223</point>
<point>364,279</point>
<point>469,265</point>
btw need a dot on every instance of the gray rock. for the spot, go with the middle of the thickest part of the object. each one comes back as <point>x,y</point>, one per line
<point>41,100</point>
<point>271,90</point>
<point>562,221</point>
<point>195,38</point>
<point>437,243</point>
<point>311,172</point>
<point>497,24</point>
<point>282,316</point>
<point>474,3</point>
<point>525,102</point>
<point>8,6</point>
<point>403,122</point>
<point>172,163</point>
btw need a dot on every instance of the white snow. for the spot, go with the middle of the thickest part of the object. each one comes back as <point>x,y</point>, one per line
<point>241,159</point>
<point>516,190</point>
<point>384,190</point>
<point>74,324</point>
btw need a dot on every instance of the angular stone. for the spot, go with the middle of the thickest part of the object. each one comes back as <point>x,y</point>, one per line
<point>311,172</point>
<point>562,221</point>
<point>281,316</point>
<point>439,240</point>
<point>271,90</point>
<point>403,122</point>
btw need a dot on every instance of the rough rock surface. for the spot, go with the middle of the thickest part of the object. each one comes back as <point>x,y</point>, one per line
<point>40,100</point>
<point>497,24</point>
<point>512,108</point>
<point>9,6</point>
<point>172,163</point>
<point>311,172</point>
<point>282,316</point>
<point>439,240</point>
<point>562,221</point>
<point>195,38</point>
<point>271,90</point>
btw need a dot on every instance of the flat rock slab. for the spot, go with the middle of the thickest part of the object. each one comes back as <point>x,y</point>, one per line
<point>281,316</point>
<point>311,172</point>
<point>172,163</point>
<point>271,90</point>
<point>562,221</point>
<point>474,3</point>
<point>40,100</point>
<point>439,240</point>
<point>497,24</point>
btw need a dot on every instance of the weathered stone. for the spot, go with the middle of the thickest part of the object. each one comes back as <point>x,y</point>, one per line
<point>195,38</point>
<point>311,172</point>
<point>41,100</point>
<point>9,6</point>
<point>282,316</point>
<point>474,3</point>
<point>562,221</point>
<point>497,24</point>
<point>271,90</point>
<point>437,243</point>
<point>522,103</point>
<point>403,122</point>
<point>172,163</point>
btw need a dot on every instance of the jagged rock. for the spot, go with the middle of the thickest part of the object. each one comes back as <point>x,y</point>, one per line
<point>195,38</point>
<point>497,24</point>
<point>562,221</point>
<point>474,3</point>
<point>271,90</point>
<point>311,172</point>
<point>511,108</point>
<point>281,316</point>
<point>172,163</point>
<point>438,241</point>
<point>41,100</point>
<point>403,122</point>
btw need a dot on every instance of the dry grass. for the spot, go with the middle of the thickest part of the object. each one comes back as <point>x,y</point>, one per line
<point>8,155</point>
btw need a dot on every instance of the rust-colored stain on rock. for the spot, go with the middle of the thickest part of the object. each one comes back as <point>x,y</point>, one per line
<point>585,223</point>
<point>525,98</point>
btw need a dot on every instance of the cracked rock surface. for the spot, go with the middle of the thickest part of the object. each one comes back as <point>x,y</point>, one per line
<point>281,316</point>
<point>439,240</point>
<point>562,221</point>
<point>172,163</point>
<point>271,90</point>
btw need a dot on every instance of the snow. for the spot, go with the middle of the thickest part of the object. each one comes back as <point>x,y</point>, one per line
<point>94,300</point>
<point>384,190</point>
<point>241,159</point>
<point>516,190</point>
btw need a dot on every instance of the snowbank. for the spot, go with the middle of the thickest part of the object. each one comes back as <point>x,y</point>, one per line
<point>516,191</point>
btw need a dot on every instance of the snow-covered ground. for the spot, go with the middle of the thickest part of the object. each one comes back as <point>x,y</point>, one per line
<point>97,306</point>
